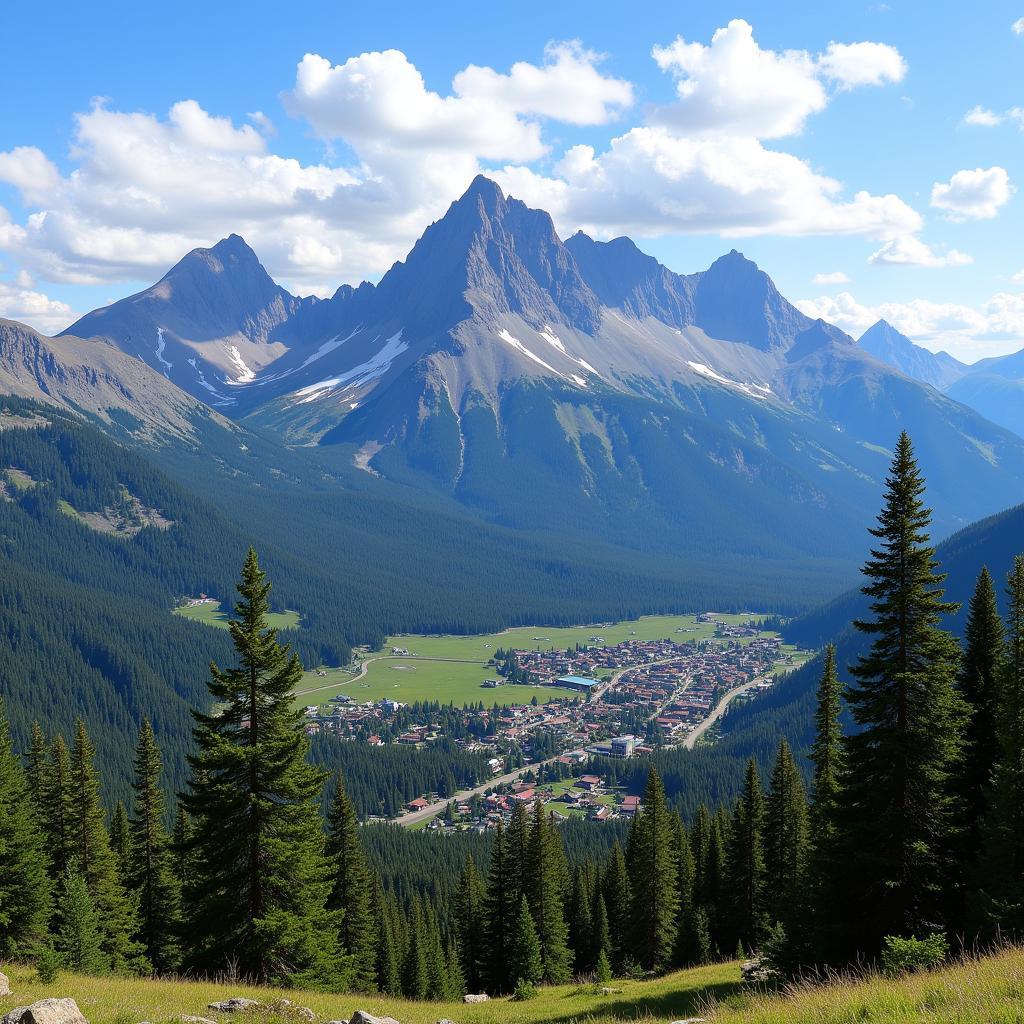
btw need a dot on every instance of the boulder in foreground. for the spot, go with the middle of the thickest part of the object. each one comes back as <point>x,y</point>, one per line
<point>47,1011</point>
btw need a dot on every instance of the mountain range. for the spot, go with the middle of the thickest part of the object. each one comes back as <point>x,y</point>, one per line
<point>572,389</point>
<point>994,386</point>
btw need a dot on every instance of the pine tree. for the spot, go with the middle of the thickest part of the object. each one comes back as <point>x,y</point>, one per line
<point>600,935</point>
<point>351,892</point>
<point>56,816</point>
<point>686,876</point>
<point>389,954</point>
<point>93,859</point>
<point>80,940</point>
<point>580,915</point>
<point>260,877</point>
<point>38,769</point>
<point>25,888</point>
<point>746,864</point>
<point>181,843</point>
<point>545,886</point>
<point>898,812</point>
<point>826,754</point>
<point>1000,896</point>
<point>416,970</point>
<point>120,841</point>
<point>785,845</point>
<point>652,862</point>
<point>618,898</point>
<point>470,908</point>
<point>980,673</point>
<point>526,965</point>
<point>151,869</point>
<point>500,914</point>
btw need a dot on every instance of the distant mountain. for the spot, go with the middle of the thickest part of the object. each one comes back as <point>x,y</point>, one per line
<point>939,369</point>
<point>209,324</point>
<point>537,383</point>
<point>99,381</point>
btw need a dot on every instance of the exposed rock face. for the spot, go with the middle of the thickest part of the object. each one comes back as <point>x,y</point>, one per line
<point>481,998</point>
<point>186,1019</point>
<point>5,985</point>
<point>47,1011</point>
<point>364,1017</point>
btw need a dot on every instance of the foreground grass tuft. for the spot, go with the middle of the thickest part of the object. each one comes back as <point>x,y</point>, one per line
<point>987,990</point>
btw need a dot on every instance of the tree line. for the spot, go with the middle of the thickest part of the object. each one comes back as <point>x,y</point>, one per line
<point>913,828</point>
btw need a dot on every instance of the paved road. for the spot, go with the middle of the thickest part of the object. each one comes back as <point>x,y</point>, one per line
<point>718,711</point>
<point>414,817</point>
<point>430,811</point>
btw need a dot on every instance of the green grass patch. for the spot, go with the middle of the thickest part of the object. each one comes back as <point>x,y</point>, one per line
<point>210,614</point>
<point>982,991</point>
<point>407,679</point>
<point>120,1000</point>
<point>20,480</point>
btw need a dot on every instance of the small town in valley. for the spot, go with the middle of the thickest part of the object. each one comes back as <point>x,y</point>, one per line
<point>606,700</point>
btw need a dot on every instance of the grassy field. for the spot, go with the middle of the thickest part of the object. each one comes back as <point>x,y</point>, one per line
<point>211,615</point>
<point>412,677</point>
<point>983,991</point>
<point>126,1001</point>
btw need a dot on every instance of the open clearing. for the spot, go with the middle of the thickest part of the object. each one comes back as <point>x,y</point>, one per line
<point>210,614</point>
<point>452,668</point>
<point>408,679</point>
<point>986,989</point>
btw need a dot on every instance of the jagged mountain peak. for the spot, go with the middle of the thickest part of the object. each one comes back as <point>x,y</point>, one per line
<point>886,343</point>
<point>491,255</point>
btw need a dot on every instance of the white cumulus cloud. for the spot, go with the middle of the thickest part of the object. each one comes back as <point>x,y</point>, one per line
<point>733,85</point>
<point>976,194</point>
<point>19,300</point>
<point>855,64</point>
<point>836,277</point>
<point>910,251</point>
<point>1017,28</point>
<point>967,332</point>
<point>982,116</point>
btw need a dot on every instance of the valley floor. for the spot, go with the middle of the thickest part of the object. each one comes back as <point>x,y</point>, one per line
<point>988,991</point>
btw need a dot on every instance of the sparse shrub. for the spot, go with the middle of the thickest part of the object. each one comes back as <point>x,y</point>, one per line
<point>48,965</point>
<point>904,955</point>
<point>524,990</point>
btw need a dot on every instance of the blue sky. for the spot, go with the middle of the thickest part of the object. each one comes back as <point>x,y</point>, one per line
<point>818,140</point>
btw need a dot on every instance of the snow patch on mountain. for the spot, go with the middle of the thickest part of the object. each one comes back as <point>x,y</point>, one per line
<point>243,373</point>
<point>160,346</point>
<point>753,390</point>
<point>520,347</point>
<point>552,339</point>
<point>371,369</point>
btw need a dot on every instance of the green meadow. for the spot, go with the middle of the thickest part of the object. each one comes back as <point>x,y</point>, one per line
<point>211,615</point>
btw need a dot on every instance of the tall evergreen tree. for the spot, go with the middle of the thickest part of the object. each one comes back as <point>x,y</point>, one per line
<point>1001,875</point>
<point>471,916</point>
<point>500,913</point>
<point>181,843</point>
<point>544,885</point>
<point>56,812</point>
<point>600,936</point>
<point>826,753</point>
<point>526,966</point>
<point>80,939</point>
<point>351,892</point>
<point>37,767</point>
<point>151,870</point>
<point>260,877</point>
<point>94,860</point>
<point>785,843</point>
<point>25,888</point>
<point>618,899</point>
<point>416,970</point>
<point>121,840</point>
<point>389,952</point>
<point>898,812</point>
<point>980,673</point>
<point>746,863</point>
<point>652,862</point>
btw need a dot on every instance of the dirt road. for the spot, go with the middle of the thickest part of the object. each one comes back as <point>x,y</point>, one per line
<point>718,711</point>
